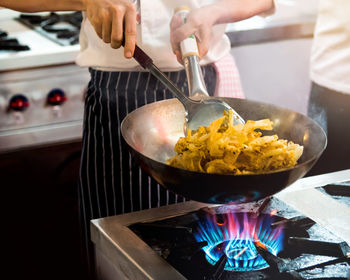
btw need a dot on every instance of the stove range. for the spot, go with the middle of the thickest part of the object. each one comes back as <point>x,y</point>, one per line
<point>42,89</point>
<point>301,233</point>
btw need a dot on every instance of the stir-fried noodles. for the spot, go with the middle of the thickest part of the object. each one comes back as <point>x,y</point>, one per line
<point>224,148</point>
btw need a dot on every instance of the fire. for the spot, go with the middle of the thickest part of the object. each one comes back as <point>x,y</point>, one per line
<point>262,245</point>
<point>237,236</point>
<point>273,212</point>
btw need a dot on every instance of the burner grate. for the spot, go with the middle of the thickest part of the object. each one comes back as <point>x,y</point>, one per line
<point>304,255</point>
<point>63,29</point>
<point>10,44</point>
<point>338,191</point>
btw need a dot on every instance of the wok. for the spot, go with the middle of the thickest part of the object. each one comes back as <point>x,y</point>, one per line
<point>151,132</point>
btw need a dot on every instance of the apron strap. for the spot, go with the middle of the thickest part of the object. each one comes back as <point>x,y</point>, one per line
<point>228,82</point>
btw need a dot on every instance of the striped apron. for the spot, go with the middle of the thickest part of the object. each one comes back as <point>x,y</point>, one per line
<point>111,182</point>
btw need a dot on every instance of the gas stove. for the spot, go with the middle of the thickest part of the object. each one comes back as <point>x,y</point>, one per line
<point>302,232</point>
<point>43,50</point>
<point>42,89</point>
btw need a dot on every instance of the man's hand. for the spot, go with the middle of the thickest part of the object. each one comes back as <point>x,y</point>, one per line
<point>112,20</point>
<point>199,22</point>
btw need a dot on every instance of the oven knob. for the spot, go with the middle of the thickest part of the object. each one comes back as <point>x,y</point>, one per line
<point>56,97</point>
<point>18,103</point>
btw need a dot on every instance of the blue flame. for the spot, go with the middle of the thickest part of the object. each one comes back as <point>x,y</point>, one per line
<point>236,238</point>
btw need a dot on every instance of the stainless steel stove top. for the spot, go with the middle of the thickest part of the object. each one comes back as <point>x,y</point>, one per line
<point>120,251</point>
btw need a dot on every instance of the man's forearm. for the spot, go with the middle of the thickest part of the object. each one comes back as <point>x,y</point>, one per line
<point>43,5</point>
<point>236,10</point>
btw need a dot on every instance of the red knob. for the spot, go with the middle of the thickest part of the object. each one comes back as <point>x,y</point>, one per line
<point>56,97</point>
<point>18,102</point>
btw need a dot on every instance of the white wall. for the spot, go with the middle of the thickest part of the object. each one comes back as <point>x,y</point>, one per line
<point>276,72</point>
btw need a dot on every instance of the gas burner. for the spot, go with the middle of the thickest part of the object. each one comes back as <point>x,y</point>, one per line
<point>236,235</point>
<point>338,191</point>
<point>61,28</point>
<point>287,236</point>
<point>250,244</point>
<point>10,44</point>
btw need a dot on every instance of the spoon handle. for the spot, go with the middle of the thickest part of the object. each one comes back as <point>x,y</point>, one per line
<point>147,63</point>
<point>142,58</point>
<point>195,80</point>
<point>190,57</point>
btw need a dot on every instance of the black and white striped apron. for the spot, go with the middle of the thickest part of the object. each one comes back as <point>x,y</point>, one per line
<point>110,182</point>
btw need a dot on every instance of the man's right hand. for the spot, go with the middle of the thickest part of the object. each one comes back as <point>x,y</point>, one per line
<point>113,19</point>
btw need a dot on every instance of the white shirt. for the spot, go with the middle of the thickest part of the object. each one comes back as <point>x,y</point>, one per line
<point>152,36</point>
<point>330,54</point>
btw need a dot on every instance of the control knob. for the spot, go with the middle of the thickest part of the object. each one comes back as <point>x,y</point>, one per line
<point>56,97</point>
<point>18,103</point>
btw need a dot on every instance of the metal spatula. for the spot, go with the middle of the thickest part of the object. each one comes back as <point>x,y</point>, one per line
<point>198,112</point>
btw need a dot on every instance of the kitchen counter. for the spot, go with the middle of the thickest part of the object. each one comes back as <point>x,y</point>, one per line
<point>292,19</point>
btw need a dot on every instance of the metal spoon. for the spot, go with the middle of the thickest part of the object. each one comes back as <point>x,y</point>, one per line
<point>197,90</point>
<point>197,112</point>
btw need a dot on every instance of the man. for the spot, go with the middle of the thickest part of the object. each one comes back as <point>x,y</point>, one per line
<point>110,182</point>
<point>329,102</point>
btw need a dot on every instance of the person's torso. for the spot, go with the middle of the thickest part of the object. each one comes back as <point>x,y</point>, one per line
<point>152,36</point>
<point>330,55</point>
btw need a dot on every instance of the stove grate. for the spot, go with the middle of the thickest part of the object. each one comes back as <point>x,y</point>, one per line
<point>304,254</point>
<point>10,44</point>
<point>63,29</point>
